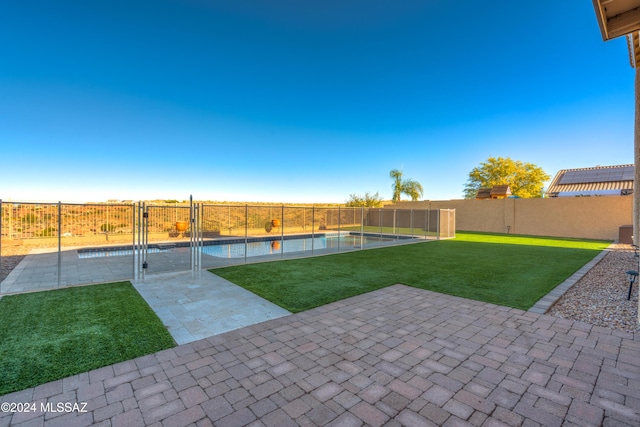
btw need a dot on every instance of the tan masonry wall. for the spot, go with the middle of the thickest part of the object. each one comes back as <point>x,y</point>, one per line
<point>583,217</point>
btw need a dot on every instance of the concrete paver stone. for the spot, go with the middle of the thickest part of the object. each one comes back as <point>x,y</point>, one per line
<point>395,356</point>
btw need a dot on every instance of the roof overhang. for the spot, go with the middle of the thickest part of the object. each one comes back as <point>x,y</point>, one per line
<point>617,17</point>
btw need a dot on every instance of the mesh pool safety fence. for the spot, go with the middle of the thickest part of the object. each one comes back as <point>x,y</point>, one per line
<point>60,244</point>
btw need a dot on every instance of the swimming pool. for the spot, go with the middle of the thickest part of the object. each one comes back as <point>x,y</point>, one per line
<point>258,246</point>
<point>303,244</point>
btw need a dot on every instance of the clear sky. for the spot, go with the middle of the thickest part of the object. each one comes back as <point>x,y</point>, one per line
<point>299,101</point>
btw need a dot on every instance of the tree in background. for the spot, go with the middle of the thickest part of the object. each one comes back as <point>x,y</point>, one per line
<point>526,180</point>
<point>409,187</point>
<point>366,201</point>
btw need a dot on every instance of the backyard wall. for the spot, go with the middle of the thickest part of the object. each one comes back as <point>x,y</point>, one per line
<point>585,217</point>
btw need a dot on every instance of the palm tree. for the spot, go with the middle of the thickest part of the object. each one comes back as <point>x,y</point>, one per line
<point>409,187</point>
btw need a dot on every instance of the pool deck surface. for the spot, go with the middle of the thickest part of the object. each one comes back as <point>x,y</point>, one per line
<point>196,305</point>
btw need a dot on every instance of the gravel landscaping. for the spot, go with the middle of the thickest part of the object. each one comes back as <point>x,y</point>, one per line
<point>600,297</point>
<point>11,257</point>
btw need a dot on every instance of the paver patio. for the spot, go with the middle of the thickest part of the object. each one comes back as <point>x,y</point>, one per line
<point>395,356</point>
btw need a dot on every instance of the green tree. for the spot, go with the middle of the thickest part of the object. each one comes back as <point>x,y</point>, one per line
<point>401,186</point>
<point>526,180</point>
<point>366,201</point>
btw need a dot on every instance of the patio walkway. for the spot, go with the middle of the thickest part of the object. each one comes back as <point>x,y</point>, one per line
<point>395,356</point>
<point>197,305</point>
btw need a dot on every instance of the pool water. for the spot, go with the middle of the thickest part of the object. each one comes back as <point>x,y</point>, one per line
<point>271,247</point>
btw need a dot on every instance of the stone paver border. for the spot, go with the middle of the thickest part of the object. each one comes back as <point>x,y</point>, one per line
<point>543,305</point>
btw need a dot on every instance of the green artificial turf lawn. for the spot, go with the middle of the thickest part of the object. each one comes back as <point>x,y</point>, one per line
<point>45,336</point>
<point>510,270</point>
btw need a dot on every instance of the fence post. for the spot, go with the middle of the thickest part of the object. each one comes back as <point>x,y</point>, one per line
<point>200,234</point>
<point>282,232</point>
<point>426,223</point>
<point>452,222</point>
<point>395,211</point>
<point>191,229</point>
<point>412,222</point>
<point>139,231</point>
<point>313,227</point>
<point>339,236</point>
<point>133,243</point>
<point>136,237</point>
<point>1,221</point>
<point>59,243</point>
<point>145,238</point>
<point>193,236</point>
<point>362,228</point>
<point>246,231</point>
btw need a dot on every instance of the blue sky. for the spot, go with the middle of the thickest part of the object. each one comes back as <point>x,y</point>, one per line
<point>299,101</point>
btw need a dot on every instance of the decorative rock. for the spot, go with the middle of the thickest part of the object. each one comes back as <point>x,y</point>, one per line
<point>600,297</point>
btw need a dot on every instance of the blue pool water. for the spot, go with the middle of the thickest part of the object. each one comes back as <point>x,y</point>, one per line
<point>272,247</point>
<point>263,246</point>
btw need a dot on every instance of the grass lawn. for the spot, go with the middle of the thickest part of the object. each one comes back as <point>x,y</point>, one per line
<point>510,270</point>
<point>45,336</point>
